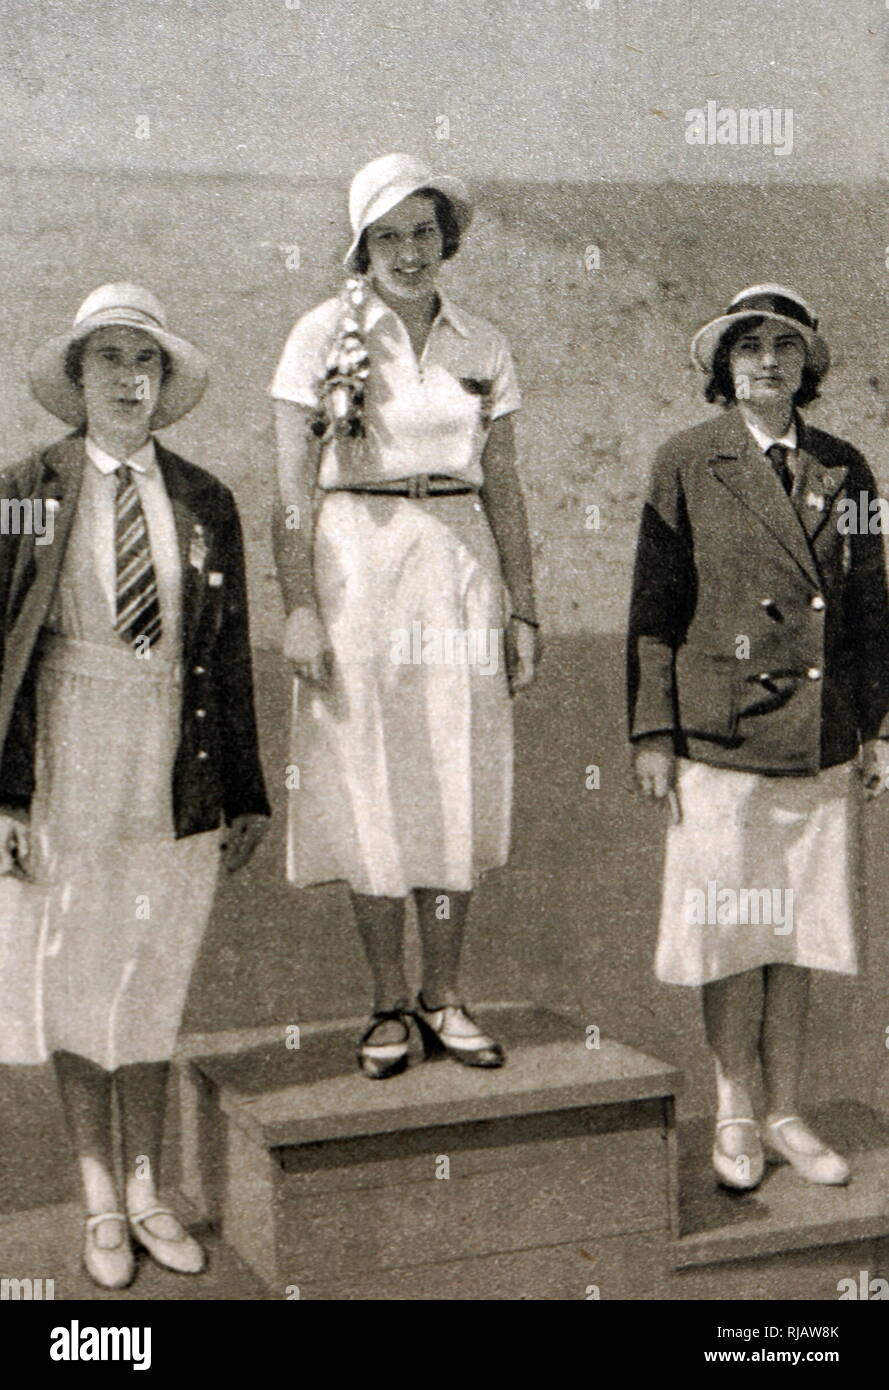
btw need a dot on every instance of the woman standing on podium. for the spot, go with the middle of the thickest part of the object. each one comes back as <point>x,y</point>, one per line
<point>403,554</point>
<point>127,742</point>
<point>758,678</point>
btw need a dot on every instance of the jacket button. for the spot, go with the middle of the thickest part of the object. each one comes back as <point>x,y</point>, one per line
<point>814,673</point>
<point>200,714</point>
<point>817,603</point>
<point>200,670</point>
<point>203,755</point>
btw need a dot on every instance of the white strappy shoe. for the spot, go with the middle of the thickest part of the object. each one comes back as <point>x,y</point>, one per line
<point>816,1162</point>
<point>741,1172</point>
<point>178,1251</point>
<point>109,1266</point>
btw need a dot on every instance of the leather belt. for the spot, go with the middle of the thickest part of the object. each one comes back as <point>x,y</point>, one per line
<point>420,486</point>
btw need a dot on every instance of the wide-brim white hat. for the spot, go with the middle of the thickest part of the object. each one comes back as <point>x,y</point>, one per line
<point>774,302</point>
<point>126,306</point>
<point>385,182</point>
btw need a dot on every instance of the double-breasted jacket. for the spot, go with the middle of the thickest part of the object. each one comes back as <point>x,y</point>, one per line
<point>759,629</point>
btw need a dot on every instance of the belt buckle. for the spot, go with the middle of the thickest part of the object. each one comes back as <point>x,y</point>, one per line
<point>420,485</point>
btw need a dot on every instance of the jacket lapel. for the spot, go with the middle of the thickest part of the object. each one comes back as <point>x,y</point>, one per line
<point>37,566</point>
<point>820,481</point>
<point>192,545</point>
<point>740,467</point>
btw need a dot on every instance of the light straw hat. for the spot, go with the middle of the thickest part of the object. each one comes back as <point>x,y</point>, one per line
<point>127,306</point>
<point>774,302</point>
<point>385,182</point>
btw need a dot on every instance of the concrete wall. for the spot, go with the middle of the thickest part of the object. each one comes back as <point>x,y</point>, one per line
<point>603,361</point>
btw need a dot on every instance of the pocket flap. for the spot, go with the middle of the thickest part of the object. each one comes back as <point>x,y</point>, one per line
<point>706,693</point>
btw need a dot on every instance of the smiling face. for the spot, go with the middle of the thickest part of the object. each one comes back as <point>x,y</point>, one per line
<point>766,364</point>
<point>121,371</point>
<point>404,248</point>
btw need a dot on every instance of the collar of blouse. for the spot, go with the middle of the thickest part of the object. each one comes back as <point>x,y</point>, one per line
<point>448,313</point>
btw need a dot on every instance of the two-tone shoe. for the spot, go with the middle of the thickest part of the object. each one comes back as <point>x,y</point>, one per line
<point>382,1056</point>
<point>452,1030</point>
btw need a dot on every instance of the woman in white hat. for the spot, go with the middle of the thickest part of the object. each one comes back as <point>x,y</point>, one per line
<point>758,680</point>
<point>403,554</point>
<point>127,740</point>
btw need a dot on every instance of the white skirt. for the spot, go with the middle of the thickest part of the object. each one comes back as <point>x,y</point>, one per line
<point>97,947</point>
<point>760,871</point>
<point>401,775</point>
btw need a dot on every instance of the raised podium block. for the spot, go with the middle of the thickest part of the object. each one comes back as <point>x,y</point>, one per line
<point>786,1213</point>
<point>550,1178</point>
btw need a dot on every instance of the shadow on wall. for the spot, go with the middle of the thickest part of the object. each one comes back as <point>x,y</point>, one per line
<point>570,922</point>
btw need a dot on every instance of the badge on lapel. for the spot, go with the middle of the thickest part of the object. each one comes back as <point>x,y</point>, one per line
<point>197,551</point>
<point>819,488</point>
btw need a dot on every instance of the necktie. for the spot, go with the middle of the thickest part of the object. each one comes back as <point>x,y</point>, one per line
<point>138,606</point>
<point>777,454</point>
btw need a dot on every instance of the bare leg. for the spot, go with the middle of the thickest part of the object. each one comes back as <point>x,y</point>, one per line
<point>381,928</point>
<point>784,1035</point>
<point>441,917</point>
<point>783,1043</point>
<point>733,1010</point>
<point>86,1090</point>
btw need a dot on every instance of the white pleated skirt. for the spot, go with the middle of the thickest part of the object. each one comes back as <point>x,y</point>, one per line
<point>97,947</point>
<point>760,871</point>
<point>401,774</point>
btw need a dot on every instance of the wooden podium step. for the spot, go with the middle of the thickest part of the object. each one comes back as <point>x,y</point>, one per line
<point>535,1181</point>
<point>785,1213</point>
<point>561,1176</point>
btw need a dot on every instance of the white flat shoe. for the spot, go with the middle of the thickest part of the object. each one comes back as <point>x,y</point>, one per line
<point>740,1172</point>
<point>815,1163</point>
<point>109,1266</point>
<point>177,1250</point>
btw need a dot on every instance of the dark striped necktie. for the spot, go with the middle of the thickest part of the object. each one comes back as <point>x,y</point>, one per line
<point>778,457</point>
<point>138,606</point>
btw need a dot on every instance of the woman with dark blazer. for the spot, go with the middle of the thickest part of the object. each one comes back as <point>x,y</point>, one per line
<point>128,750</point>
<point>758,684</point>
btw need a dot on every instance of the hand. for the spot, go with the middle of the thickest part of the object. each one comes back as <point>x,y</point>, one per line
<point>654,763</point>
<point>307,647</point>
<point>874,767</point>
<point>240,839</point>
<point>13,841</point>
<point>523,648</point>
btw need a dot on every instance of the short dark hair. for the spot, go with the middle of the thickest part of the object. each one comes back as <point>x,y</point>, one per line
<point>447,225</point>
<point>720,389</point>
<point>74,360</point>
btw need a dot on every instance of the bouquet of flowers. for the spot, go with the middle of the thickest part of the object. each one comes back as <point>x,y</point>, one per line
<point>341,389</point>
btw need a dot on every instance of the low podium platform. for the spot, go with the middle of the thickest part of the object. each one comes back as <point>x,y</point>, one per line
<point>552,1178</point>
<point>558,1177</point>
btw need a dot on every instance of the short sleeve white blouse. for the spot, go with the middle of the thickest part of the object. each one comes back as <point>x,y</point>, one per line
<point>420,416</point>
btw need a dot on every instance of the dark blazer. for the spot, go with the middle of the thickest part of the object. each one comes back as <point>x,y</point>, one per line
<point>217,773</point>
<point>724,556</point>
